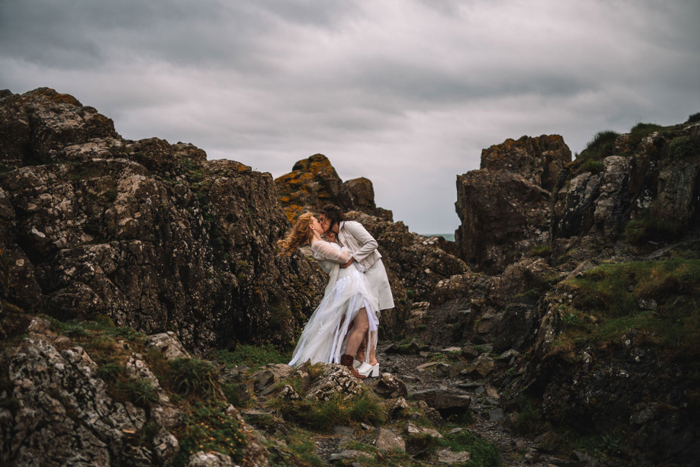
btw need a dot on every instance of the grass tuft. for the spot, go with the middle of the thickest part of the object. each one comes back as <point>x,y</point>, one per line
<point>323,415</point>
<point>251,356</point>
<point>192,376</point>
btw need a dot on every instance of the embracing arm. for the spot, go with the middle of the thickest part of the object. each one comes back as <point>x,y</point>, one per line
<point>367,241</point>
<point>330,252</point>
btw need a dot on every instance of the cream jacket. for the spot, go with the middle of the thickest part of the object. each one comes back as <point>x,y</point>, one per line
<point>363,246</point>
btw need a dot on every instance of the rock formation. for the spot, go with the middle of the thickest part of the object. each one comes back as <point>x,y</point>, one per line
<point>313,182</point>
<point>505,206</point>
<point>148,233</point>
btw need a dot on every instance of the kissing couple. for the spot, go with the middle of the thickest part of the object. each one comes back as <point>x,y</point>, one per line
<point>343,328</point>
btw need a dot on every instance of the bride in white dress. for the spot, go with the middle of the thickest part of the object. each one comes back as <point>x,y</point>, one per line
<point>347,304</point>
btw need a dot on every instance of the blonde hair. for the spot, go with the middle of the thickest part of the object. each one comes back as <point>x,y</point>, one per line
<point>298,236</point>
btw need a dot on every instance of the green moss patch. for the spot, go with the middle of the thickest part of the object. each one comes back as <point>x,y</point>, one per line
<point>660,299</point>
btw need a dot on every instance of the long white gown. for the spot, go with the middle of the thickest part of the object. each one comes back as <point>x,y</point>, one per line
<point>324,337</point>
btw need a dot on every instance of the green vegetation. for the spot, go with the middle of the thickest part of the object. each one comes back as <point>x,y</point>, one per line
<point>483,454</point>
<point>600,147</point>
<point>300,451</point>
<point>684,147</point>
<point>251,356</point>
<point>207,427</point>
<point>529,420</point>
<point>592,166</point>
<point>323,415</point>
<point>642,130</point>
<point>694,118</point>
<point>542,251</point>
<point>192,376</point>
<point>607,299</point>
<point>651,228</point>
<point>138,391</point>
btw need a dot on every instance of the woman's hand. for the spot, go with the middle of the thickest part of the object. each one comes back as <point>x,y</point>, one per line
<point>343,266</point>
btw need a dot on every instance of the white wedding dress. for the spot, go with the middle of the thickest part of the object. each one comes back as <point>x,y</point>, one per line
<point>325,335</point>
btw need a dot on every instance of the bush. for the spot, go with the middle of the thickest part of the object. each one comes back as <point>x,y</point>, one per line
<point>601,146</point>
<point>694,118</point>
<point>192,376</point>
<point>111,372</point>
<point>684,147</point>
<point>138,391</point>
<point>642,130</point>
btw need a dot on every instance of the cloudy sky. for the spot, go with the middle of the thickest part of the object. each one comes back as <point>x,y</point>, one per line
<point>404,92</point>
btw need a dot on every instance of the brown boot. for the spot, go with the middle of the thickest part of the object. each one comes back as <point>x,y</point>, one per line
<point>347,360</point>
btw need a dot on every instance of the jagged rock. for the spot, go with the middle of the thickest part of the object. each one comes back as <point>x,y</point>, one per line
<point>503,215</point>
<point>313,182</point>
<point>399,408</point>
<point>504,207</point>
<point>387,440</point>
<point>168,344</point>
<point>210,459</point>
<point>539,159</point>
<point>336,379</point>
<point>145,232</point>
<point>288,393</point>
<point>443,399</point>
<point>431,413</point>
<point>483,365</point>
<point>63,412</point>
<point>445,456</point>
<point>636,183</point>
<point>389,386</point>
<point>165,446</point>
<point>272,374</point>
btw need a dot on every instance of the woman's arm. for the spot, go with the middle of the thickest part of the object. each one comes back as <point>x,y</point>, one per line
<point>330,252</point>
<point>367,241</point>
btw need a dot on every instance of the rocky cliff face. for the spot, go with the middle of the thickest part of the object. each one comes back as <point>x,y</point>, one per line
<point>505,206</point>
<point>652,183</point>
<point>148,233</point>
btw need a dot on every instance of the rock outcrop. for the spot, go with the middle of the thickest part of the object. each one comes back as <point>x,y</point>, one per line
<point>148,233</point>
<point>314,182</point>
<point>505,206</point>
<point>654,185</point>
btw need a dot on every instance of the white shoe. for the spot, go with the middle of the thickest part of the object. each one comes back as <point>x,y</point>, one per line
<point>357,364</point>
<point>368,370</point>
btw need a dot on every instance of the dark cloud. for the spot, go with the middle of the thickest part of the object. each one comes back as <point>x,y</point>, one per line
<point>405,93</point>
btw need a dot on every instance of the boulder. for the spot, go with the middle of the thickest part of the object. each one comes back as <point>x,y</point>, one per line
<point>387,440</point>
<point>443,399</point>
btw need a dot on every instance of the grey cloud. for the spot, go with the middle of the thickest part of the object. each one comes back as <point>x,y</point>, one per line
<point>405,93</point>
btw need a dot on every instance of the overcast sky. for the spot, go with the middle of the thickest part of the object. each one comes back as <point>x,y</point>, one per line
<point>406,93</point>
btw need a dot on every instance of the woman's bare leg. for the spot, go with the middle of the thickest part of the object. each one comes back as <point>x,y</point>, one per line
<point>372,357</point>
<point>359,330</point>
